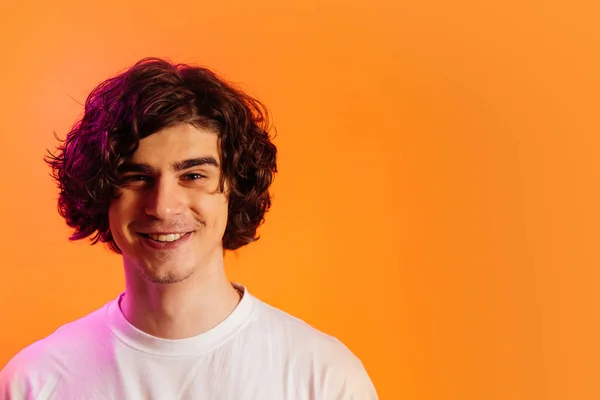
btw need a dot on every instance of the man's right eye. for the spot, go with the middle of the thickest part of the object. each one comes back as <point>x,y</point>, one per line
<point>130,179</point>
<point>135,178</point>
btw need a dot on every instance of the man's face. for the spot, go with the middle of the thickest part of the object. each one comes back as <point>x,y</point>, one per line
<point>169,217</point>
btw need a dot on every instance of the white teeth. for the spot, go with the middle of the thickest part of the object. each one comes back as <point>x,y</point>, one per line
<point>166,238</point>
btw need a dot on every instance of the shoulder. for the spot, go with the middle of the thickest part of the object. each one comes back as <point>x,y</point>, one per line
<point>33,372</point>
<point>300,337</point>
<point>29,373</point>
<point>335,370</point>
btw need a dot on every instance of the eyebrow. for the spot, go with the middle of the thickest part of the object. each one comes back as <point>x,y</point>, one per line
<point>177,166</point>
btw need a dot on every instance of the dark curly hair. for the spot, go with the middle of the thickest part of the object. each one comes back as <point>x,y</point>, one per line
<point>150,96</point>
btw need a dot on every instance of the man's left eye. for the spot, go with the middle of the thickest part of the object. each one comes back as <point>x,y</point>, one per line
<point>194,177</point>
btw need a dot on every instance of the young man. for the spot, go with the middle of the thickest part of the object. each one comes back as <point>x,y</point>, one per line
<point>171,166</point>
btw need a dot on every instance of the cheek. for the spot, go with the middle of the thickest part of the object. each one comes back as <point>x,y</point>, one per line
<point>213,209</point>
<point>114,223</point>
<point>119,213</point>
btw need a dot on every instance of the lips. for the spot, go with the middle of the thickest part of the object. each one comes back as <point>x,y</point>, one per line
<point>164,241</point>
<point>164,237</point>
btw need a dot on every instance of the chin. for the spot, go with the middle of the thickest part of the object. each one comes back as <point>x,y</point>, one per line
<point>167,277</point>
<point>164,271</point>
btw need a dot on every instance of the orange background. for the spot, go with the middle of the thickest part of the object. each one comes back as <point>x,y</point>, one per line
<point>437,202</point>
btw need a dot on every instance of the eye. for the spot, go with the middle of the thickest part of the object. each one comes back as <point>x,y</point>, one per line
<point>194,176</point>
<point>136,180</point>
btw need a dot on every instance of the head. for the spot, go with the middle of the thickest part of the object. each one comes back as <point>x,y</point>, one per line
<point>169,166</point>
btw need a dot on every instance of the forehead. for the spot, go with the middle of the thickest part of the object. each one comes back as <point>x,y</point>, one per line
<point>176,143</point>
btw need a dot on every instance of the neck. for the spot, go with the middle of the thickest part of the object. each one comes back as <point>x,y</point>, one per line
<point>178,310</point>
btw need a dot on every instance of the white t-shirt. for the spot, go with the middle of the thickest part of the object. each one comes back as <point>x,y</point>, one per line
<point>258,352</point>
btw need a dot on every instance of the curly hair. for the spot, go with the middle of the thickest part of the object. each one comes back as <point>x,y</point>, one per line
<point>152,95</point>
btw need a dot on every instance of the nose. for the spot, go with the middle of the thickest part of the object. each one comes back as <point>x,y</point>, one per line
<point>164,200</point>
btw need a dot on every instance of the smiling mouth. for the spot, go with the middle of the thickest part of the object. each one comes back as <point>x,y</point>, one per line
<point>164,238</point>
